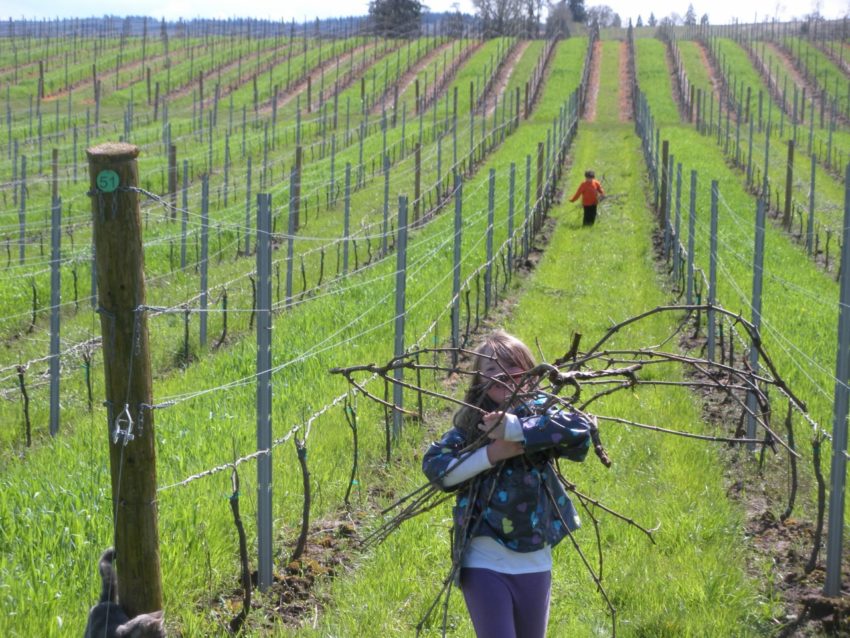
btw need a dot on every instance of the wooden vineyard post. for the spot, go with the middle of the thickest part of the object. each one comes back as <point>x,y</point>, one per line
<point>117,227</point>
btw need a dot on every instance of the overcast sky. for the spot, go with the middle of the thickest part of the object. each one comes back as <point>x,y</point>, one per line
<point>719,11</point>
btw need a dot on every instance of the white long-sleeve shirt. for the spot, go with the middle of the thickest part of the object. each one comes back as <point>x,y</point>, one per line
<point>484,552</point>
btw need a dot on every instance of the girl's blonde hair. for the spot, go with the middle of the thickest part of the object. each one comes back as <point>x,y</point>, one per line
<point>508,352</point>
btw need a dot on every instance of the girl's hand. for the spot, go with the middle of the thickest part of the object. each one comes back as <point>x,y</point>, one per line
<point>499,450</point>
<point>489,421</point>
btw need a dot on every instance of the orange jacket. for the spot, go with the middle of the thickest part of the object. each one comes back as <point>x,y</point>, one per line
<point>588,189</point>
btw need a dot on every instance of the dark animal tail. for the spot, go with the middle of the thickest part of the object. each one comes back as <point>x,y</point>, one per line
<point>109,594</point>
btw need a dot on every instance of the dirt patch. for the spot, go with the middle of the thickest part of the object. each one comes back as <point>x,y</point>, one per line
<point>593,83</point>
<point>409,77</point>
<point>293,597</point>
<point>714,78</point>
<point>787,65</point>
<point>718,84</point>
<point>505,74</point>
<point>313,76</point>
<point>626,111</point>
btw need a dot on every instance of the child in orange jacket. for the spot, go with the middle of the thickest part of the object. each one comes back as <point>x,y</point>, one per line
<point>591,193</point>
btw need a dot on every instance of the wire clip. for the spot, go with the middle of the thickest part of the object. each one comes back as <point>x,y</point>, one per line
<point>123,419</point>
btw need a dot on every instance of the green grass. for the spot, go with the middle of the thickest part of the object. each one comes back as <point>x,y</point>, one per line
<point>55,508</point>
<point>799,315</point>
<point>588,278</point>
<point>829,191</point>
<point>195,529</point>
<point>167,287</point>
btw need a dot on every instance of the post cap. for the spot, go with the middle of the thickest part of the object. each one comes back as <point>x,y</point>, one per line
<point>114,151</point>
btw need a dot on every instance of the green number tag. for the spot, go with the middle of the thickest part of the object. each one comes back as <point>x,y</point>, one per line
<point>107,181</point>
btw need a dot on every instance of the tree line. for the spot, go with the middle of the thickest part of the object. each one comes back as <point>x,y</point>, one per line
<point>521,18</point>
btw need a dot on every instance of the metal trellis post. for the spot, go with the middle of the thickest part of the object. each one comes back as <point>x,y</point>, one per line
<point>832,586</point>
<point>758,277</point>
<point>55,301</point>
<point>264,391</point>
<point>488,271</point>
<point>401,284</point>
<point>456,268</point>
<point>712,272</point>
<point>204,265</point>
<point>692,222</point>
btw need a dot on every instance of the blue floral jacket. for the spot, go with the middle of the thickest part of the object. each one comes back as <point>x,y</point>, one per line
<point>513,502</point>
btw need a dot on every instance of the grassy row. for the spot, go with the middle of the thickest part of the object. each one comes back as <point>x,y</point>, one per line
<point>587,279</point>
<point>782,126</point>
<point>829,194</point>
<point>799,311</point>
<point>820,68</point>
<point>840,136</point>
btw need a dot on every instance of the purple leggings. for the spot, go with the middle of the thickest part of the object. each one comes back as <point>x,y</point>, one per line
<point>506,605</point>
